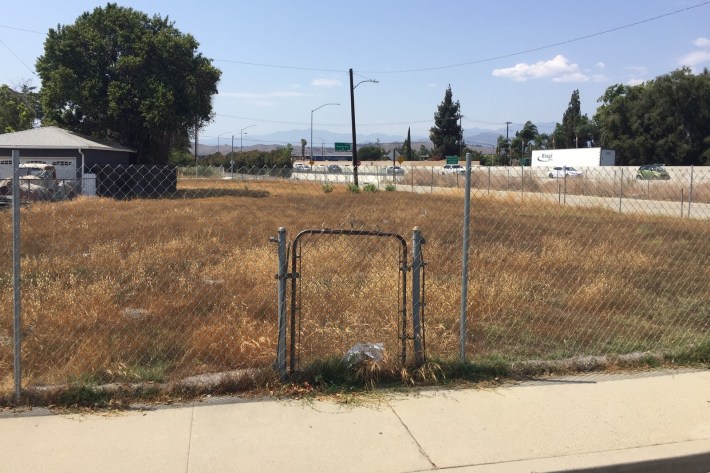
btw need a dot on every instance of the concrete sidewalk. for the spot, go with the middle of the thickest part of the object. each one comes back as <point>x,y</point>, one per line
<point>657,422</point>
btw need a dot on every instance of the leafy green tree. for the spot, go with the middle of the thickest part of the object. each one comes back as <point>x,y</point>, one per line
<point>118,74</point>
<point>664,120</point>
<point>423,153</point>
<point>181,157</point>
<point>447,134</point>
<point>570,122</point>
<point>543,141</point>
<point>504,150</point>
<point>303,148</point>
<point>18,109</point>
<point>527,135</point>
<point>370,153</point>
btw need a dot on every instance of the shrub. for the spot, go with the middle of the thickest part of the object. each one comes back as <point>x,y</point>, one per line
<point>327,187</point>
<point>353,188</point>
<point>390,187</point>
<point>369,188</point>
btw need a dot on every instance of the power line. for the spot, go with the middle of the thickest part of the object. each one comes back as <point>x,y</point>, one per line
<point>409,122</point>
<point>18,58</point>
<point>22,29</point>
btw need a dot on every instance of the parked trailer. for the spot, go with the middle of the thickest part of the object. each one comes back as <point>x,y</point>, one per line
<point>580,157</point>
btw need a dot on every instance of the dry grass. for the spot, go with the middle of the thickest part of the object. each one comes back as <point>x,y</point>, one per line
<point>596,182</point>
<point>123,291</point>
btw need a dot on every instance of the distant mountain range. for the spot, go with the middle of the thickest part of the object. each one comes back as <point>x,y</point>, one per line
<point>474,137</point>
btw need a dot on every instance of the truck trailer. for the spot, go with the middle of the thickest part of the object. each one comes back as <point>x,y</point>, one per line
<point>580,157</point>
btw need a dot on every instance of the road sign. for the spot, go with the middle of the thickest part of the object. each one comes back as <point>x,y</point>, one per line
<point>400,159</point>
<point>452,160</point>
<point>342,146</point>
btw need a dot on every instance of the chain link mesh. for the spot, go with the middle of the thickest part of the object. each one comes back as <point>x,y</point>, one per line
<point>166,274</point>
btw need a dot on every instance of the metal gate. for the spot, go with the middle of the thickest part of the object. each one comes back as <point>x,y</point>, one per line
<point>294,324</point>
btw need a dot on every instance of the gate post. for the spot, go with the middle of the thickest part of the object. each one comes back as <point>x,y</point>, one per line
<point>17,310</point>
<point>417,242</point>
<point>281,276</point>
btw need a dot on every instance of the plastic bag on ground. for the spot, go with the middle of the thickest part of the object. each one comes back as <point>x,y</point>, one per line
<point>364,352</point>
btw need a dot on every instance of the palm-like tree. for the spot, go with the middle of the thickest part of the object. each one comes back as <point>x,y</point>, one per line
<point>529,132</point>
<point>303,148</point>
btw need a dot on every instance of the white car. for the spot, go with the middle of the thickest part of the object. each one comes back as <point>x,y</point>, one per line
<point>561,171</point>
<point>453,169</point>
<point>301,167</point>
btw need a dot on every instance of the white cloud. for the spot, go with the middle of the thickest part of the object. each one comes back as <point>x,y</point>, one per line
<point>633,82</point>
<point>600,65</point>
<point>558,68</point>
<point>696,58</point>
<point>326,82</point>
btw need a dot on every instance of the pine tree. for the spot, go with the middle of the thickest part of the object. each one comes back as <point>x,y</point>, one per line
<point>446,134</point>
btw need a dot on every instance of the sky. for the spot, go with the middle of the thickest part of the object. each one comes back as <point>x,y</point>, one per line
<point>510,61</point>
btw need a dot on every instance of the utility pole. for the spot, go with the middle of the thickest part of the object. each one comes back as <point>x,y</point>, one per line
<point>352,116</point>
<point>506,138</point>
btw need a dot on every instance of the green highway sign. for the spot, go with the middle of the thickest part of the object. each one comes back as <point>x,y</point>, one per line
<point>451,159</point>
<point>342,146</point>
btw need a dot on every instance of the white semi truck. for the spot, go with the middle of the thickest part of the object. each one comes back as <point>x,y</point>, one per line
<point>580,157</point>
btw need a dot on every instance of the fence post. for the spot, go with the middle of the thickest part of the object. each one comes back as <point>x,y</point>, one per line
<point>690,191</point>
<point>564,195</point>
<point>621,189</point>
<point>17,313</point>
<point>281,276</point>
<point>681,202</point>
<point>489,180</point>
<point>464,263</point>
<point>417,242</point>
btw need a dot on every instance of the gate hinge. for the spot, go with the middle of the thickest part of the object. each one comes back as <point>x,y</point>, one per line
<point>288,276</point>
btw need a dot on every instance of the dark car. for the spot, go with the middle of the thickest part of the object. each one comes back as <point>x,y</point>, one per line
<point>394,170</point>
<point>334,168</point>
<point>652,171</point>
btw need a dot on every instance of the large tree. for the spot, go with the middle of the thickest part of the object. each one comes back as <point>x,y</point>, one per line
<point>118,74</point>
<point>570,121</point>
<point>447,134</point>
<point>664,120</point>
<point>18,108</point>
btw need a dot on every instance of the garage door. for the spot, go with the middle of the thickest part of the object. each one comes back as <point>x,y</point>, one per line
<point>5,168</point>
<point>66,167</point>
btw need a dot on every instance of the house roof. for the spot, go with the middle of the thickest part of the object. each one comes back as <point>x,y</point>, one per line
<point>52,137</point>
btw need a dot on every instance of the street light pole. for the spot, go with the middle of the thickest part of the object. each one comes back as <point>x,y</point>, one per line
<point>352,115</point>
<point>241,138</point>
<point>311,143</point>
<point>218,138</point>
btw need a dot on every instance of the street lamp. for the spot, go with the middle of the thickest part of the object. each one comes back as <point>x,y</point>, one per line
<point>218,138</point>
<point>312,124</point>
<point>241,138</point>
<point>352,113</point>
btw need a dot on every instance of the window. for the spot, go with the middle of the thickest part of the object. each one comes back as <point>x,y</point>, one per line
<point>4,163</point>
<point>62,163</point>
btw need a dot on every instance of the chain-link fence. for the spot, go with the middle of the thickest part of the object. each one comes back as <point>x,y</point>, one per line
<point>160,275</point>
